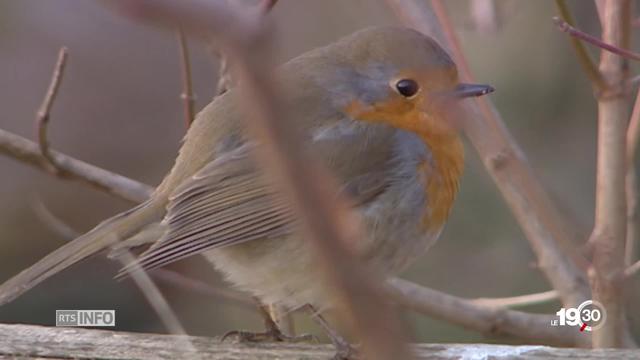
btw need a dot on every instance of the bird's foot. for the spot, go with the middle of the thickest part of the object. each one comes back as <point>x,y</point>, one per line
<point>272,335</point>
<point>344,350</point>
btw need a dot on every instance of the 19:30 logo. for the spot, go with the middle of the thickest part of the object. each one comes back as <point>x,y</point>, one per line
<point>589,316</point>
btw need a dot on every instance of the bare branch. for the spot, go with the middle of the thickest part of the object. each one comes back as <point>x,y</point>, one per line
<point>564,26</point>
<point>485,319</point>
<point>609,233</point>
<point>187,84</point>
<point>44,113</point>
<point>631,184</point>
<point>588,65</point>
<point>28,152</point>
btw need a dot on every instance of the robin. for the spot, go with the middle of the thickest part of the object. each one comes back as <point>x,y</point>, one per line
<point>370,106</point>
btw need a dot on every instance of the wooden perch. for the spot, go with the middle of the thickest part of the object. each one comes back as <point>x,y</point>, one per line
<point>32,341</point>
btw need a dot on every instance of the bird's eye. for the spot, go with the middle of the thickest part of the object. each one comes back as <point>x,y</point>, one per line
<point>407,87</point>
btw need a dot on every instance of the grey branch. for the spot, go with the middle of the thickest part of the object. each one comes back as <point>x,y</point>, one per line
<point>28,152</point>
<point>488,320</point>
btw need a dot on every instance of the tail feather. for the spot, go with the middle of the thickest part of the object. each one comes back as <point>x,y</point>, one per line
<point>102,236</point>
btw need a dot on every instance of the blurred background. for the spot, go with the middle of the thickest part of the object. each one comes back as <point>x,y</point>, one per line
<point>119,108</point>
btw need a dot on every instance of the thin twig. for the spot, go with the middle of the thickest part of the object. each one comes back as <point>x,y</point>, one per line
<point>187,96</point>
<point>61,165</point>
<point>53,222</point>
<point>151,292</point>
<point>588,65</point>
<point>564,26</point>
<point>158,302</point>
<point>609,233</point>
<point>518,301</point>
<point>540,220</point>
<point>44,113</point>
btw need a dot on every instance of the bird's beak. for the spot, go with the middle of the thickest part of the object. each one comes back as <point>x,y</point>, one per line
<point>468,90</point>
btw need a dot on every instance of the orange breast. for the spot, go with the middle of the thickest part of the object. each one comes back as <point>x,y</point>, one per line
<point>443,172</point>
<point>442,178</point>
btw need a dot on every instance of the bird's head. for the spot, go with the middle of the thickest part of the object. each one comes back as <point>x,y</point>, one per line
<point>399,77</point>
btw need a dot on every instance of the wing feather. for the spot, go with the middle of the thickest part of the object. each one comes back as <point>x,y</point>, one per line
<point>225,203</point>
<point>229,201</point>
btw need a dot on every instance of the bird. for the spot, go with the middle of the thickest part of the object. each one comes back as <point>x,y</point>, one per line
<point>371,106</point>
